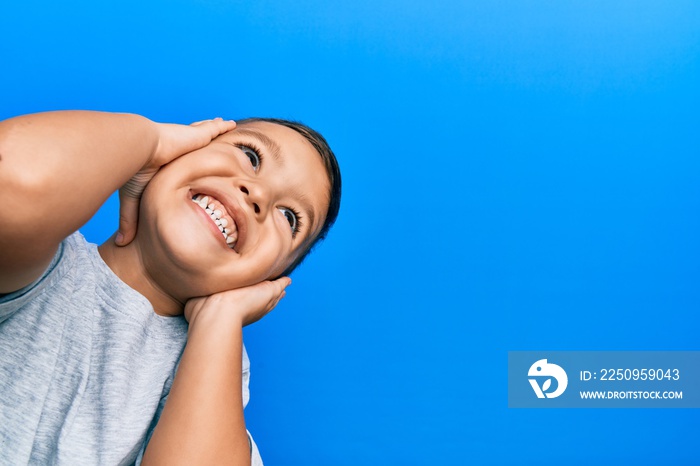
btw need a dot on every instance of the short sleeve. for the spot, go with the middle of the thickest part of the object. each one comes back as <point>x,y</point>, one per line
<point>149,434</point>
<point>255,459</point>
<point>12,302</point>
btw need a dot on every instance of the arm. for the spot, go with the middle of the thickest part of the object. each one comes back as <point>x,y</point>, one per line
<point>202,422</point>
<point>58,168</point>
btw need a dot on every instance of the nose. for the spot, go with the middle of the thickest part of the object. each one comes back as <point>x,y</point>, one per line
<point>256,196</point>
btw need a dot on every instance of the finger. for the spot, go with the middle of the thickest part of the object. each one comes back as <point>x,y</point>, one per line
<point>218,126</point>
<point>128,219</point>
<point>197,123</point>
<point>280,291</point>
<point>276,288</point>
<point>270,292</point>
<point>225,125</point>
<point>278,299</point>
<point>282,282</point>
<point>270,306</point>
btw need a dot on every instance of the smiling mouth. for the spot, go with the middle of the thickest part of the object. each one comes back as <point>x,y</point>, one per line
<point>220,217</point>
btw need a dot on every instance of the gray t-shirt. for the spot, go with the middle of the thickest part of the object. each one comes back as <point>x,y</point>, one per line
<point>85,365</point>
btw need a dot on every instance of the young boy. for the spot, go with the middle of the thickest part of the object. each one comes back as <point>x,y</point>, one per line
<point>90,337</point>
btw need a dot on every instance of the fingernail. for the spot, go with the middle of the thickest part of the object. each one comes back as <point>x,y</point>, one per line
<point>120,237</point>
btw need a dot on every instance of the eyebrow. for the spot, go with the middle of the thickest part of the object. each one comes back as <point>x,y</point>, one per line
<point>306,206</point>
<point>263,139</point>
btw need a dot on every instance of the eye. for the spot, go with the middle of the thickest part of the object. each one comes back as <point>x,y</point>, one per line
<point>253,154</point>
<point>293,219</point>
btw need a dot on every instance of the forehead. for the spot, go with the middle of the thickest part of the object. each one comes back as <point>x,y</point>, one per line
<point>279,138</point>
<point>296,162</point>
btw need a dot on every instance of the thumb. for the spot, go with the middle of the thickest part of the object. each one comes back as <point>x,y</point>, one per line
<point>128,219</point>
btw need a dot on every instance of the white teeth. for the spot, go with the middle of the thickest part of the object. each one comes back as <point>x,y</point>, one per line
<point>230,234</point>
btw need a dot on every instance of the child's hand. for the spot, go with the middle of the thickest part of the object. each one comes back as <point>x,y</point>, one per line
<point>173,141</point>
<point>240,307</point>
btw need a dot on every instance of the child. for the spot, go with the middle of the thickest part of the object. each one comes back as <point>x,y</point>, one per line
<point>90,337</point>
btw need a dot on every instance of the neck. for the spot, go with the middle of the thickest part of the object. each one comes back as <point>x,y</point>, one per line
<point>127,263</point>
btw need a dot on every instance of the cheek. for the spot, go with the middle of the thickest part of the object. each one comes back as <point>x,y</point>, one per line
<point>202,163</point>
<point>272,256</point>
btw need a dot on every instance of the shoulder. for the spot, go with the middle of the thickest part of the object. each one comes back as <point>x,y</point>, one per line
<point>71,266</point>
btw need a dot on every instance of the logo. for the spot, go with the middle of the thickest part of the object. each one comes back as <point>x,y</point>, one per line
<point>544,369</point>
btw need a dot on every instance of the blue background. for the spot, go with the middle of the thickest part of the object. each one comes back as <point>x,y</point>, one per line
<point>518,175</point>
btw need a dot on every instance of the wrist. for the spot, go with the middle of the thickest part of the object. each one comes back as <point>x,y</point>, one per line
<point>212,317</point>
<point>156,158</point>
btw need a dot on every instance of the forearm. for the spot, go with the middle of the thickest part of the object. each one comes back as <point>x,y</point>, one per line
<point>56,170</point>
<point>202,422</point>
<point>65,164</point>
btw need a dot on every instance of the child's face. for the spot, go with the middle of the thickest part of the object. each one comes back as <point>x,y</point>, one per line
<point>269,190</point>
